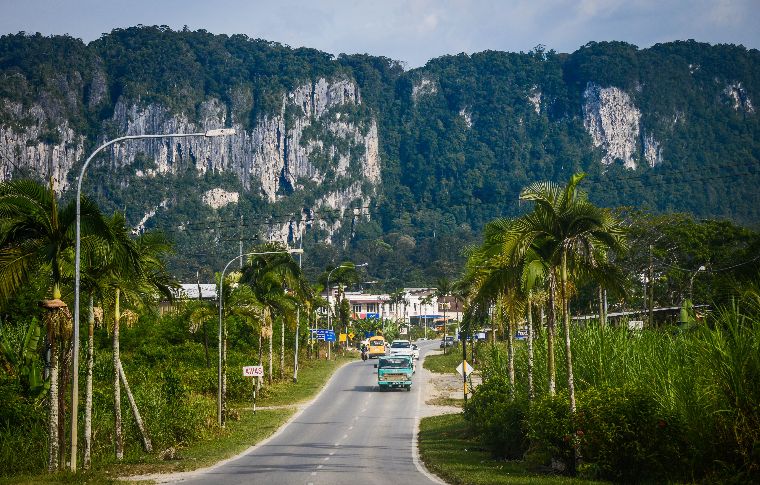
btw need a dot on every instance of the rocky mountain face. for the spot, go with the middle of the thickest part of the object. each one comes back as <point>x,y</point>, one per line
<point>355,147</point>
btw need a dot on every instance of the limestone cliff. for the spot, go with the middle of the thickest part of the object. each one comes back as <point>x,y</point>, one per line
<point>613,122</point>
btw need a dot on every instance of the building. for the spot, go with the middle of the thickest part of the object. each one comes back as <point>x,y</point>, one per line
<point>186,292</point>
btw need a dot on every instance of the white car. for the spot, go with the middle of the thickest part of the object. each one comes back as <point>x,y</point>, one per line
<point>404,347</point>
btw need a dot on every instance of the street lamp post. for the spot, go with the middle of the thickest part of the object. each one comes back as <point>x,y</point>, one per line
<point>221,307</point>
<point>75,360</point>
<point>691,283</point>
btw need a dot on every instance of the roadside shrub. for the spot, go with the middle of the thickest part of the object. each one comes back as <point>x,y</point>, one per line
<point>624,437</point>
<point>23,437</point>
<point>550,433</point>
<point>621,433</point>
<point>497,419</point>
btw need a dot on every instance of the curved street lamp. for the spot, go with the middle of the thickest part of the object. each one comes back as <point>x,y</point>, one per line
<point>691,282</point>
<point>221,306</point>
<point>75,362</point>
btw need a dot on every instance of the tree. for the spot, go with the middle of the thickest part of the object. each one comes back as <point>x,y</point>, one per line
<point>443,290</point>
<point>573,236</point>
<point>269,275</point>
<point>37,235</point>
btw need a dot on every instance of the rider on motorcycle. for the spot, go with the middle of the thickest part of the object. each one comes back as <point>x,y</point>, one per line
<point>365,351</point>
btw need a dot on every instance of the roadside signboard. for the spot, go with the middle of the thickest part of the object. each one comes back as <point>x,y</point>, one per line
<point>253,371</point>
<point>321,334</point>
<point>351,335</point>
<point>342,337</point>
<point>522,334</point>
<point>329,336</point>
<point>402,330</point>
<point>372,316</point>
<point>464,367</point>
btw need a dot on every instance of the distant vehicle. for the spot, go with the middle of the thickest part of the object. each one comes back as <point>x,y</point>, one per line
<point>376,346</point>
<point>404,347</point>
<point>447,342</point>
<point>395,371</point>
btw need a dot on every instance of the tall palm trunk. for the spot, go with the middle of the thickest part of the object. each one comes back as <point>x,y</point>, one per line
<point>223,345</point>
<point>531,390</point>
<point>269,338</point>
<point>602,319</point>
<point>118,438</point>
<point>566,325</point>
<point>56,318</point>
<point>282,349</point>
<point>87,460</point>
<point>550,321</point>
<point>205,344</point>
<point>510,323</point>
<point>53,415</point>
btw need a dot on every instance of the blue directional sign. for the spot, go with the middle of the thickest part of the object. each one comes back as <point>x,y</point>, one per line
<point>372,316</point>
<point>329,336</point>
<point>320,333</point>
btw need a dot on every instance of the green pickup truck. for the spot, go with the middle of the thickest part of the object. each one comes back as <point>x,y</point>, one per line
<point>395,371</point>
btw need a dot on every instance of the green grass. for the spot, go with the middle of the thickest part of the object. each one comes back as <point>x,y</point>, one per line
<point>449,450</point>
<point>445,364</point>
<point>235,438</point>
<point>311,377</point>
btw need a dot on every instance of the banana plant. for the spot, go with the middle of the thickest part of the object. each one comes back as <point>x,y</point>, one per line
<point>24,360</point>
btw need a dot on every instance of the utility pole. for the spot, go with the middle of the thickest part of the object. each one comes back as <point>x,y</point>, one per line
<point>240,241</point>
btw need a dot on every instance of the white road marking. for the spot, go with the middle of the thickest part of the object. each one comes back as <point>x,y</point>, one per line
<point>313,474</point>
<point>326,458</point>
<point>350,428</point>
<point>332,453</point>
<point>319,466</point>
<point>345,436</point>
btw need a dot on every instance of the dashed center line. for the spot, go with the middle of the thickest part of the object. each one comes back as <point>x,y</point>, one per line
<point>313,474</point>
<point>332,453</point>
<point>350,428</point>
<point>319,466</point>
<point>326,458</point>
<point>345,436</point>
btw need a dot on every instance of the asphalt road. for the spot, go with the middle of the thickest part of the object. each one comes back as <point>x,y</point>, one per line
<point>351,434</point>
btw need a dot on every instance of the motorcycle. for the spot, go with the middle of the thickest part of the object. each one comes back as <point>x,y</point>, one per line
<point>364,354</point>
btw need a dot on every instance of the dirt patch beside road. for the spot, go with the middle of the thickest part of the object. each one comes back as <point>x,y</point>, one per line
<point>442,393</point>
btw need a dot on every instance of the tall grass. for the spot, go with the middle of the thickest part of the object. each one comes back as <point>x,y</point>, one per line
<point>707,378</point>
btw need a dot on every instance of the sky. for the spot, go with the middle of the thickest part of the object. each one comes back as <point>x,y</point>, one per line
<point>412,31</point>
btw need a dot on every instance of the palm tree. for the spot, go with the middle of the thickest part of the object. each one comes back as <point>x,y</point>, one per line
<point>137,277</point>
<point>269,275</point>
<point>574,233</point>
<point>38,235</point>
<point>99,258</point>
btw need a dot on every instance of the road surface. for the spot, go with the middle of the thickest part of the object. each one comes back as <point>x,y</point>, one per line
<point>351,434</point>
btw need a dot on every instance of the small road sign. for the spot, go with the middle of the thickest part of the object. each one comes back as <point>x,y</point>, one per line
<point>351,335</point>
<point>466,367</point>
<point>330,336</point>
<point>253,371</point>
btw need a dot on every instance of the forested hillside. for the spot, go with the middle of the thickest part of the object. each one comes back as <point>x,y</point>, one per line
<point>398,168</point>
